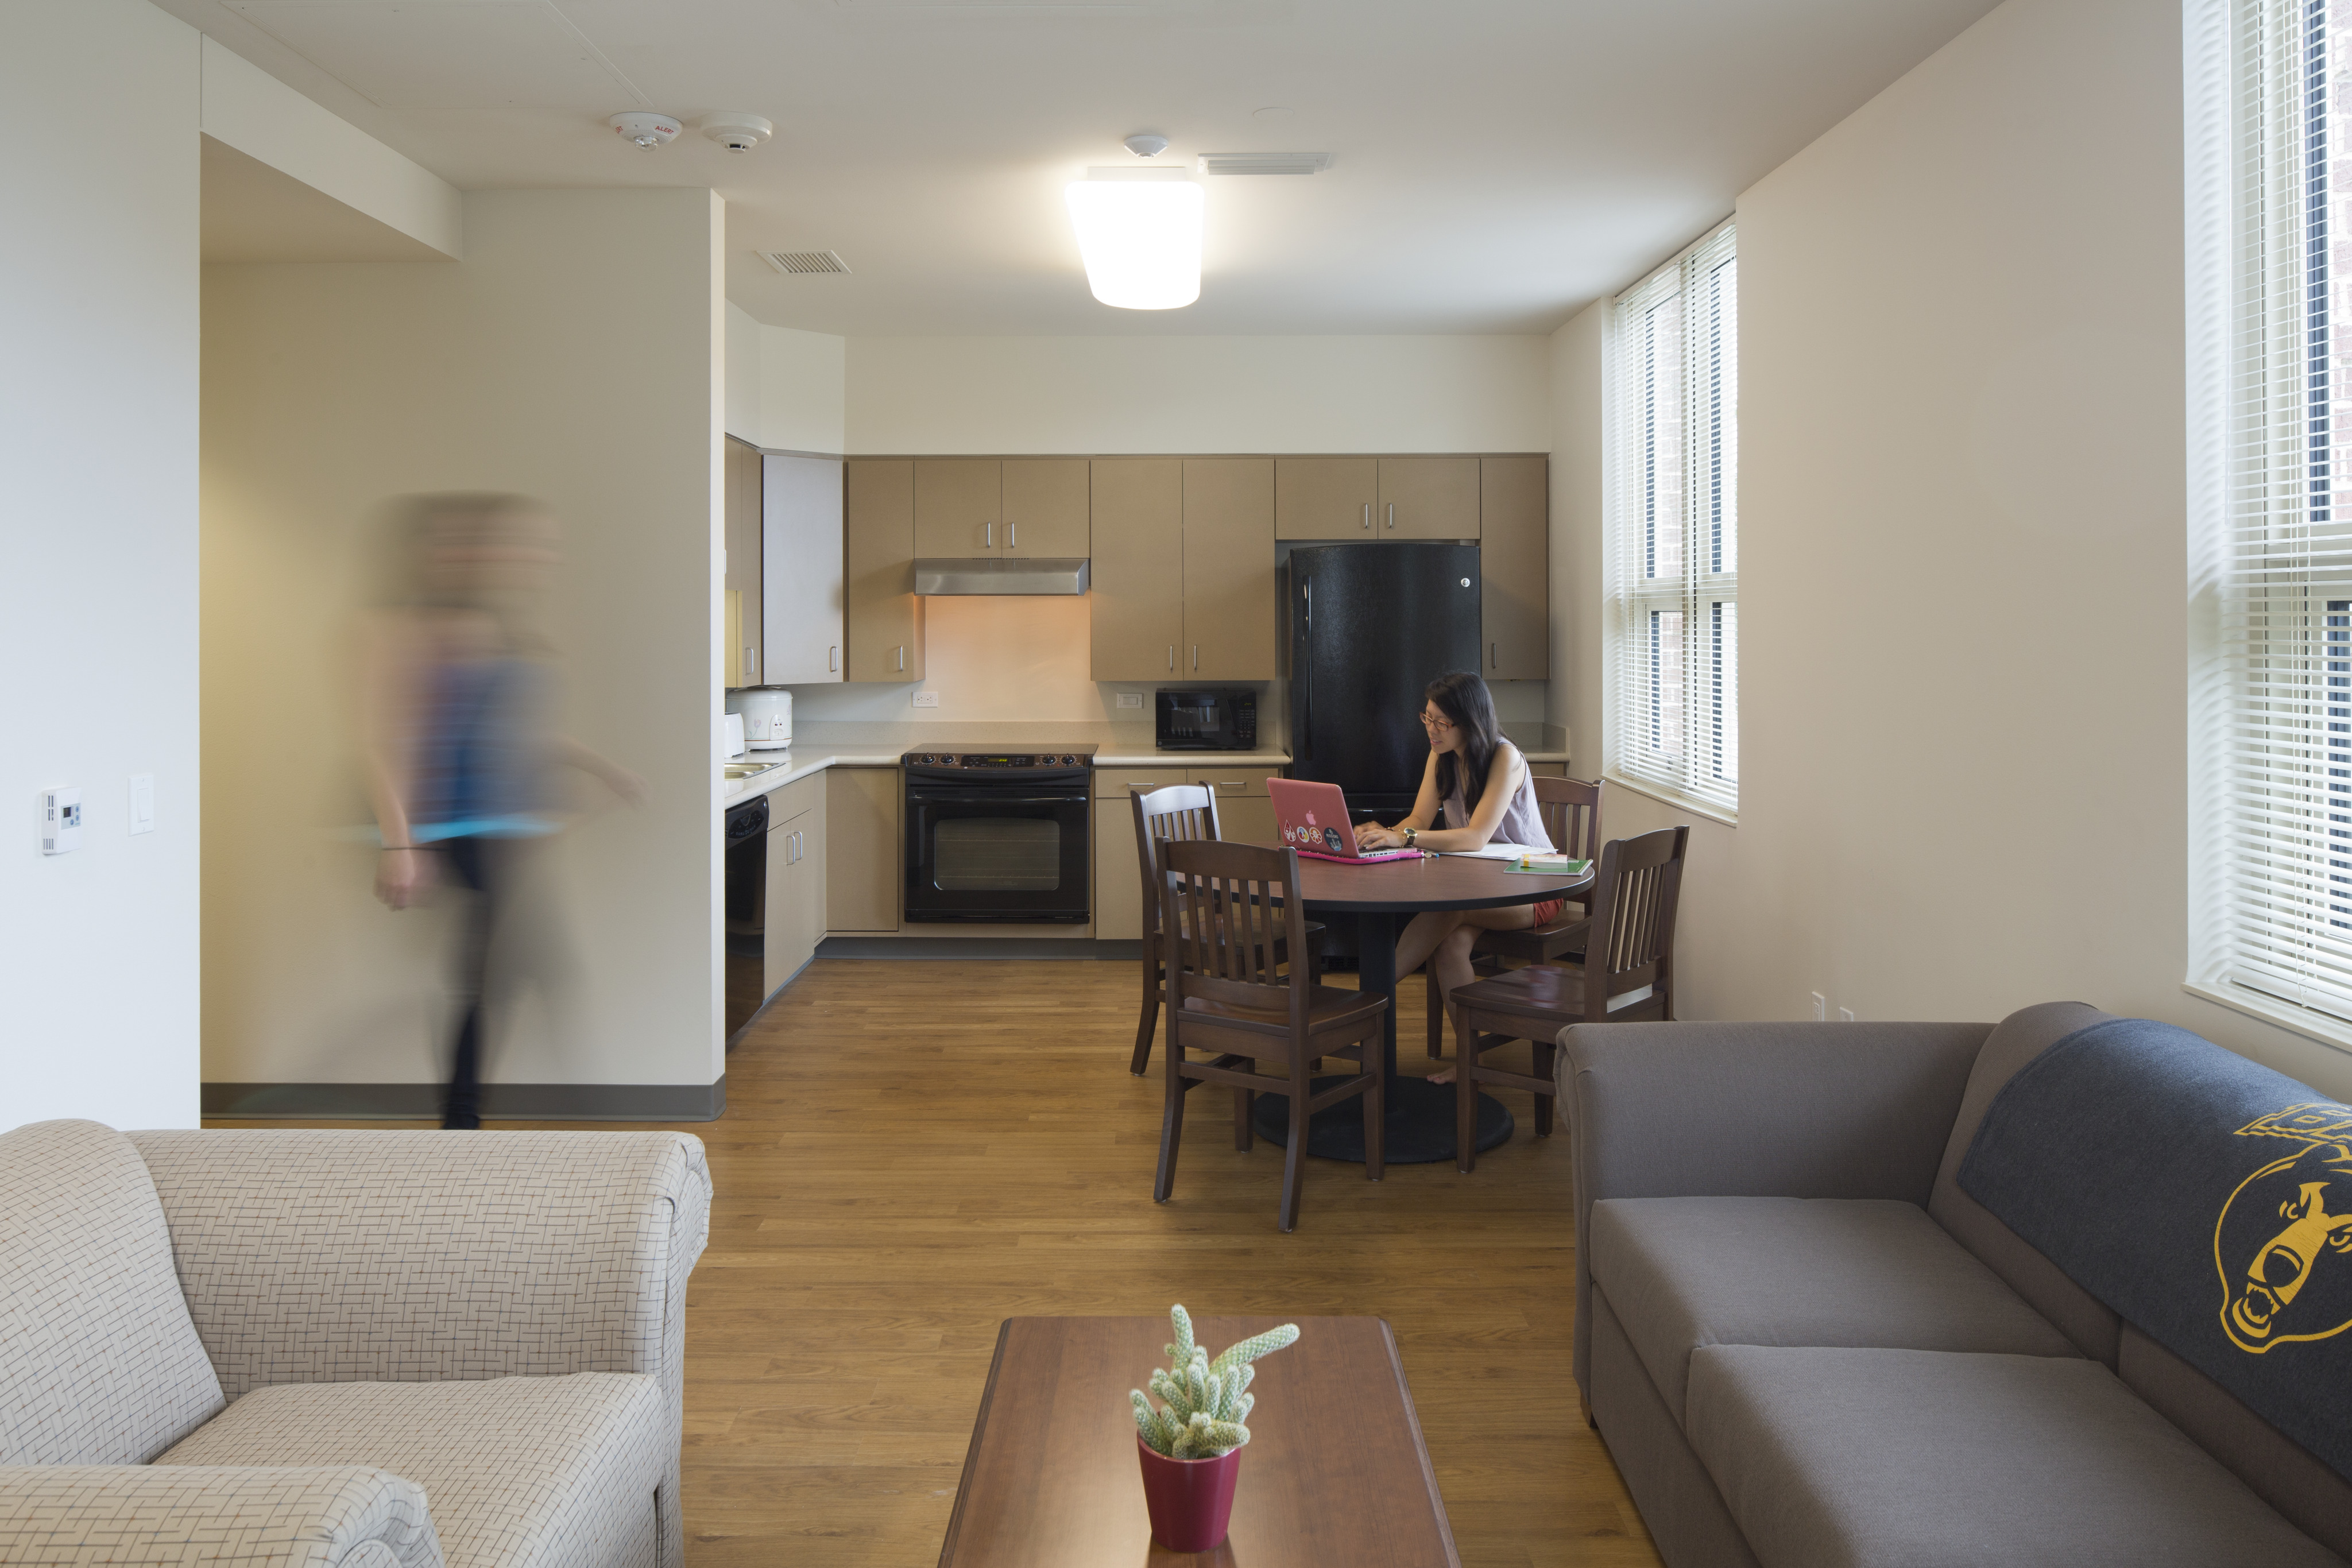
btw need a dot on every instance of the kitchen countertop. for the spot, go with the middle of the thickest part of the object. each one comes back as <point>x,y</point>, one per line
<point>817,746</point>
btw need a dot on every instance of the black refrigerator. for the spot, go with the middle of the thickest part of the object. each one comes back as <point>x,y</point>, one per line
<point>1371,624</point>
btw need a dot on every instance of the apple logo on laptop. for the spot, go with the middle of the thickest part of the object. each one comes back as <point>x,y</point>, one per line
<point>1310,819</point>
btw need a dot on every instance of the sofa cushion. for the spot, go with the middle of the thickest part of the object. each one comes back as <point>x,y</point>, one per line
<point>1684,1272</point>
<point>2016,1040</point>
<point>521,1473</point>
<point>1842,1459</point>
<point>102,1364</point>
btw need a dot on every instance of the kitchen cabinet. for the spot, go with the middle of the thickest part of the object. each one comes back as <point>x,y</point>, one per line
<point>743,558</point>
<point>863,846</point>
<point>1230,603</point>
<point>883,619</point>
<point>1245,811</point>
<point>1325,497</point>
<point>1427,498</point>
<point>796,881</point>
<point>1183,570</point>
<point>1244,815</point>
<point>1118,884</point>
<point>1515,568</point>
<point>1012,509</point>
<point>1136,601</point>
<point>801,573</point>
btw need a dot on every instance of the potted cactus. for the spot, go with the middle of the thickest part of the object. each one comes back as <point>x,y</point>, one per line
<point>1189,1446</point>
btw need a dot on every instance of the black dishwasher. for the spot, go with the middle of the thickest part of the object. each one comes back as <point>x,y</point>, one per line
<point>747,912</point>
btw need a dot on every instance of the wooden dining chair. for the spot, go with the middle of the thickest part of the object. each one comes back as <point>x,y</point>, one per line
<point>1631,944</point>
<point>1186,813</point>
<point>1570,809</point>
<point>1223,911</point>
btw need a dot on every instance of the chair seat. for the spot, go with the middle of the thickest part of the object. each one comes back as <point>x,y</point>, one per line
<point>1327,1008</point>
<point>519,1472</point>
<point>1537,943</point>
<point>1536,991</point>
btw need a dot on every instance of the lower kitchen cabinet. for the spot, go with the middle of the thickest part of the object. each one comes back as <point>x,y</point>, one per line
<point>796,879</point>
<point>1244,815</point>
<point>863,844</point>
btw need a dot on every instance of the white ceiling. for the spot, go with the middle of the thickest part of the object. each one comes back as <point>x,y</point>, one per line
<point>1497,163</point>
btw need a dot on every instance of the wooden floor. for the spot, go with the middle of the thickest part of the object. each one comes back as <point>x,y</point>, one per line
<point>913,1152</point>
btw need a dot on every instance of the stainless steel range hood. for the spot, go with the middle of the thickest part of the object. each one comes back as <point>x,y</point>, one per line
<point>1045,574</point>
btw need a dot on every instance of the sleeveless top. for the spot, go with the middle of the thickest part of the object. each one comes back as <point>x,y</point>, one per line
<point>479,760</point>
<point>1522,823</point>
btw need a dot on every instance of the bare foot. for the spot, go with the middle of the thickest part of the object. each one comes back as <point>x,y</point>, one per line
<point>1443,1075</point>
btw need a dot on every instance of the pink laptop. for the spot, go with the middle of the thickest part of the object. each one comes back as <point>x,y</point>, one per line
<point>1314,821</point>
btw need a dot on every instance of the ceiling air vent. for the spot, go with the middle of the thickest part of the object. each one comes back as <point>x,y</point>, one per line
<point>792,262</point>
<point>1265,163</point>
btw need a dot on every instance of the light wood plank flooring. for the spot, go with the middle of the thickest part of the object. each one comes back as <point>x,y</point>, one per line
<point>915,1151</point>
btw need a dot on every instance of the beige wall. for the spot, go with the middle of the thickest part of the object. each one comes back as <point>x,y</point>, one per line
<point>1963,694</point>
<point>98,600</point>
<point>1090,395</point>
<point>575,355</point>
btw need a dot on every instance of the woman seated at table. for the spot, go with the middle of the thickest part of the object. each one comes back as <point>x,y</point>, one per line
<point>1468,760</point>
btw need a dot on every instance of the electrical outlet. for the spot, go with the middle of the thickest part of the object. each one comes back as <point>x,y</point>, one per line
<point>1821,1008</point>
<point>1845,1015</point>
<point>925,699</point>
<point>1130,699</point>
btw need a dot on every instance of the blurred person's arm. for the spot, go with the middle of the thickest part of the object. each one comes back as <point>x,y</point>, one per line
<point>614,777</point>
<point>391,663</point>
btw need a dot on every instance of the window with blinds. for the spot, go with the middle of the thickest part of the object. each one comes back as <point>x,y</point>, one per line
<point>2284,738</point>
<point>1673,563</point>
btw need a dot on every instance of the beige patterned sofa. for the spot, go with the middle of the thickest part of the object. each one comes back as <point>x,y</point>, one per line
<point>368,1350</point>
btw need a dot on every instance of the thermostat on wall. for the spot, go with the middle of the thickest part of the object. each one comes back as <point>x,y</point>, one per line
<point>61,820</point>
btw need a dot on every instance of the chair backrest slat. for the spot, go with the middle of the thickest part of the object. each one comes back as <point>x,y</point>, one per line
<point>1633,900</point>
<point>1223,906</point>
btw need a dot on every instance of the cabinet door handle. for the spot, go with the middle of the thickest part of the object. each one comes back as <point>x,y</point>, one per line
<point>833,657</point>
<point>992,534</point>
<point>1196,657</point>
<point>1391,514</point>
<point>1494,656</point>
<point>751,664</point>
<point>1368,517</point>
<point>902,656</point>
<point>1012,536</point>
<point>1172,655</point>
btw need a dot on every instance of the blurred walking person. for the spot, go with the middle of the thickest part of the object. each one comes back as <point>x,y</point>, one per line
<point>457,689</point>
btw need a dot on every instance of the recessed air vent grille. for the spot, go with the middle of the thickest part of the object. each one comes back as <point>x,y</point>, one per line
<point>1265,163</point>
<point>792,262</point>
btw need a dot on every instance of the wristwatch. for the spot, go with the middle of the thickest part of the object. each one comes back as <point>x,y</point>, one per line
<point>1410,834</point>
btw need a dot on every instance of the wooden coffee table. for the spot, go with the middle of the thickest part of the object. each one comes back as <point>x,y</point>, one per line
<point>1334,1472</point>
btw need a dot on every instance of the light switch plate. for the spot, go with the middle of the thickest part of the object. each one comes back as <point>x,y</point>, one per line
<point>1130,699</point>
<point>926,699</point>
<point>142,802</point>
<point>61,820</point>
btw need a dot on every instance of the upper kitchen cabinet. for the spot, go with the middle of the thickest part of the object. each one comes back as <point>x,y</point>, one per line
<point>1230,601</point>
<point>1136,601</point>
<point>801,569</point>
<point>1325,497</point>
<point>959,506</point>
<point>1427,498</point>
<point>1515,567</point>
<point>884,628</point>
<point>744,553</point>
<point>1046,508</point>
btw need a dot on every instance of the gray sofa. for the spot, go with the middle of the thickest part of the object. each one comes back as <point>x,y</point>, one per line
<point>344,1349</point>
<point>1805,1345</point>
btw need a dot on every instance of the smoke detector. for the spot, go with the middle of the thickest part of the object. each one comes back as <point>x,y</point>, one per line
<point>737,132</point>
<point>645,130</point>
<point>1147,146</point>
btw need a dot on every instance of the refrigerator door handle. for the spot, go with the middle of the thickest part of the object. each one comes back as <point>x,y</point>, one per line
<point>1305,657</point>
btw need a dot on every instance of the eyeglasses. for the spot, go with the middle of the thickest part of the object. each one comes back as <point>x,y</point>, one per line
<point>1436,721</point>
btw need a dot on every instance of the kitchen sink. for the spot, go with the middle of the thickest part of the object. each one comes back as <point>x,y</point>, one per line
<point>746,769</point>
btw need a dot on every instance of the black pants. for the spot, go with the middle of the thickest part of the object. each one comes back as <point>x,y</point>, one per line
<point>479,865</point>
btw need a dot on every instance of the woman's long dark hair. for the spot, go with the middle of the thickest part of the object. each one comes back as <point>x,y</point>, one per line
<point>1464,698</point>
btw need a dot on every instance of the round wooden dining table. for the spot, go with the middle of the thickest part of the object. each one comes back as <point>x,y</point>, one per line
<point>1380,897</point>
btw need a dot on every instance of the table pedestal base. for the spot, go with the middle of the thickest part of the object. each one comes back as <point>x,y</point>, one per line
<point>1419,1128</point>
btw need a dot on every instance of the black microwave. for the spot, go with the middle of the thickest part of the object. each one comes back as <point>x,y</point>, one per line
<point>1206,718</point>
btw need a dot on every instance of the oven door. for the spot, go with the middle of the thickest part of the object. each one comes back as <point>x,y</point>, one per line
<point>1010,852</point>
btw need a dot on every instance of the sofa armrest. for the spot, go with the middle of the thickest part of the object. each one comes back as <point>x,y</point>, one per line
<point>1762,1110</point>
<point>319,1256</point>
<point>233,1516</point>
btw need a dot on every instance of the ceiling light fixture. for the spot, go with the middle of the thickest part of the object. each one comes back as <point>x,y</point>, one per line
<point>1139,232</point>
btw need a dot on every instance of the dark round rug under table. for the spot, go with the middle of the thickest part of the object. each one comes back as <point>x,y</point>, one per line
<point>1418,1129</point>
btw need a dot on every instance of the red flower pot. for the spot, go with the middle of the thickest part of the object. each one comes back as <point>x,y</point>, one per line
<point>1191,1500</point>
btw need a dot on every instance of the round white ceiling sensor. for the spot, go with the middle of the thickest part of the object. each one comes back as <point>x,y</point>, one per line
<point>1144,146</point>
<point>644,130</point>
<point>737,132</point>
<point>1274,114</point>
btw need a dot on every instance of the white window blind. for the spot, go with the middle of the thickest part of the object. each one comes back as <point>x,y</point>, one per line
<point>2284,767</point>
<point>1673,562</point>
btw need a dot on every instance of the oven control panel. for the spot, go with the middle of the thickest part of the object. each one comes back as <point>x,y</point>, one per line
<point>977,761</point>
